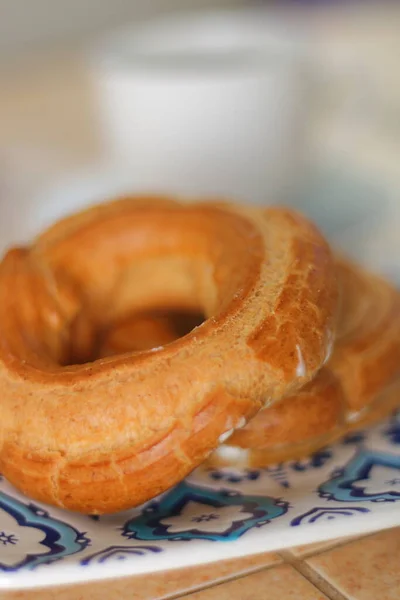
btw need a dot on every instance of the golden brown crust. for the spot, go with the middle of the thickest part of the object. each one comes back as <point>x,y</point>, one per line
<point>109,434</point>
<point>312,412</point>
<point>367,351</point>
<point>236,456</point>
<point>359,385</point>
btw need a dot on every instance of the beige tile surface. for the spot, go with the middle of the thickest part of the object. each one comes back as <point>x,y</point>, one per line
<point>280,583</point>
<point>366,569</point>
<point>310,549</point>
<point>154,586</point>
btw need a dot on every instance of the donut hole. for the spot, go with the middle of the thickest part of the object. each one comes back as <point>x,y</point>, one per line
<point>146,331</point>
<point>137,332</point>
<point>79,286</point>
<point>174,295</point>
<point>152,297</point>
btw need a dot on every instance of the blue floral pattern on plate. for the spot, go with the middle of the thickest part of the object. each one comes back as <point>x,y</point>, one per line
<point>249,510</point>
<point>49,539</point>
<point>190,512</point>
<point>327,513</point>
<point>372,476</point>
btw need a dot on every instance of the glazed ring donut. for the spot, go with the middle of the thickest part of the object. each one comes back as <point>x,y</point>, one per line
<point>103,435</point>
<point>359,385</point>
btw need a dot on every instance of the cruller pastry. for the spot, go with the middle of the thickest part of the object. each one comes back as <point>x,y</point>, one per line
<point>101,435</point>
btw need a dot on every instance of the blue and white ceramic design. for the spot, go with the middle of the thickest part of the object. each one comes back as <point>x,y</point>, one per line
<point>349,488</point>
<point>30,537</point>
<point>372,476</point>
<point>190,512</point>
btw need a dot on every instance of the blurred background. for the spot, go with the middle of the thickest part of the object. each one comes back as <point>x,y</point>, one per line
<point>293,101</point>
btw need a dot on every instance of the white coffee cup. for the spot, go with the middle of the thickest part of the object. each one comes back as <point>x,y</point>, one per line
<point>210,104</point>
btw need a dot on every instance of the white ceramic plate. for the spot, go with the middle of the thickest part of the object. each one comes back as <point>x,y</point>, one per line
<point>350,488</point>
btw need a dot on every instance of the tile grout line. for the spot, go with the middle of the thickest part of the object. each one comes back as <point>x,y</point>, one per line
<point>218,582</point>
<point>339,544</point>
<point>313,577</point>
<point>287,558</point>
